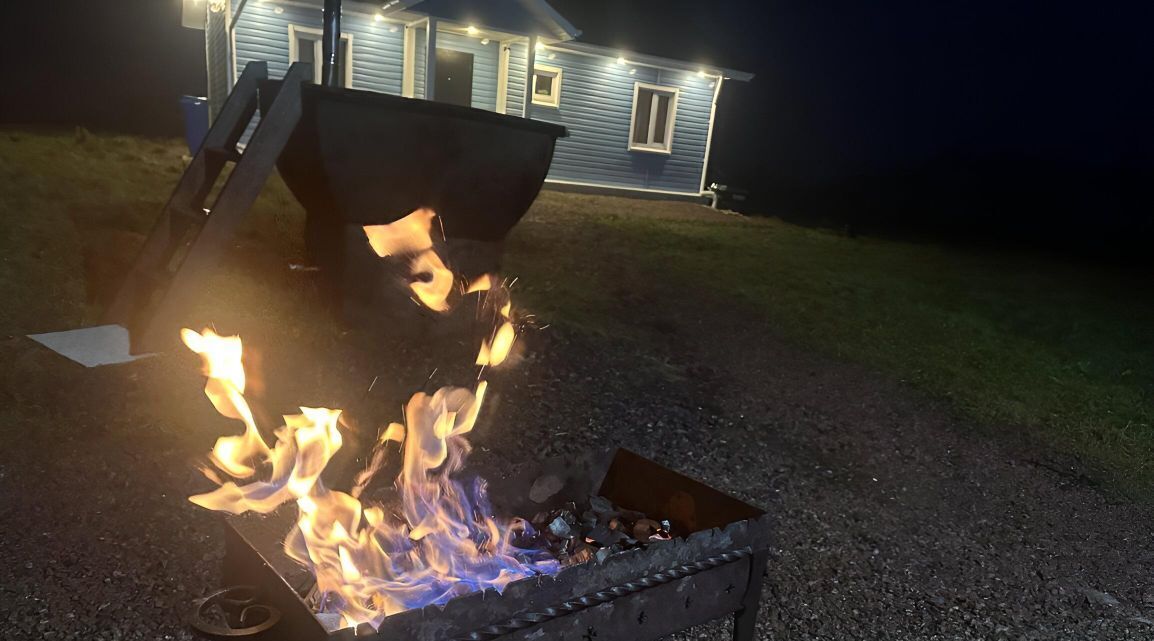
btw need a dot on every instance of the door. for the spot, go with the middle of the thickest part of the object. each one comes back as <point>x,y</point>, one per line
<point>454,77</point>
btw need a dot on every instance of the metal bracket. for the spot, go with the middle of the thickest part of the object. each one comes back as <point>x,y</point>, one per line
<point>239,604</point>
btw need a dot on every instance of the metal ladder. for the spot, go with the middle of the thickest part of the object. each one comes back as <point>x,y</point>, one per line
<point>190,236</point>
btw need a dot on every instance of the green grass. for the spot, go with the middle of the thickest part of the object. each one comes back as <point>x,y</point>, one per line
<point>1064,352</point>
<point>62,194</point>
<point>1017,341</point>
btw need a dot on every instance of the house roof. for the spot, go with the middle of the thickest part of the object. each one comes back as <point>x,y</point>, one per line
<point>530,17</point>
<point>651,61</point>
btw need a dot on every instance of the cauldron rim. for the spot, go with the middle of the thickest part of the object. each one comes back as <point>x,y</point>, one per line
<point>312,93</point>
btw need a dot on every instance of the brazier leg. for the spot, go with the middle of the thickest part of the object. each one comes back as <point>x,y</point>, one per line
<point>745,619</point>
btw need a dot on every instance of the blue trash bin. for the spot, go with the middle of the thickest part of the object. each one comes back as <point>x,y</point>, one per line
<point>195,121</point>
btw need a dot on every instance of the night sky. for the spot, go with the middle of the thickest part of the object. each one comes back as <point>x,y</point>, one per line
<point>844,88</point>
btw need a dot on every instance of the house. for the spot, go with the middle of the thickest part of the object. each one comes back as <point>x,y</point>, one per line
<point>636,122</point>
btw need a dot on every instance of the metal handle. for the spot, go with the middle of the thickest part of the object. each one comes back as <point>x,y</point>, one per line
<point>241,609</point>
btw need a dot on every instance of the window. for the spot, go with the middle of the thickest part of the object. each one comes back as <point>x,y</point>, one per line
<point>546,86</point>
<point>305,46</point>
<point>654,110</point>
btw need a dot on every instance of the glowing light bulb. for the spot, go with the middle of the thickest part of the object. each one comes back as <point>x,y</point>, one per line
<point>379,18</point>
<point>620,60</point>
<point>472,31</point>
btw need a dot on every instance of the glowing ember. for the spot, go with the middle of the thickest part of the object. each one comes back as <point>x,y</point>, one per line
<point>441,541</point>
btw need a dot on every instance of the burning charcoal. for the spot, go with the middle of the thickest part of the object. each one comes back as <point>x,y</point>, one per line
<point>600,504</point>
<point>520,526</point>
<point>603,536</point>
<point>644,528</point>
<point>560,528</point>
<point>631,515</point>
<point>582,553</point>
<point>545,488</point>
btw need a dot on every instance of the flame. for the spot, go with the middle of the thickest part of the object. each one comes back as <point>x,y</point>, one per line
<point>494,352</point>
<point>483,283</point>
<point>441,540</point>
<point>444,543</point>
<point>408,235</point>
<point>225,388</point>
<point>432,281</point>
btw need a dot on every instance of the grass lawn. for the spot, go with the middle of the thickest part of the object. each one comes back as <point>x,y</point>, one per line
<point>1063,350</point>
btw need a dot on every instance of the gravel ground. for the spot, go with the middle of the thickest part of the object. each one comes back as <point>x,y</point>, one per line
<point>896,520</point>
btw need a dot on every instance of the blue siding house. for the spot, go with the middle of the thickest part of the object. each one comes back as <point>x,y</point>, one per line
<point>636,122</point>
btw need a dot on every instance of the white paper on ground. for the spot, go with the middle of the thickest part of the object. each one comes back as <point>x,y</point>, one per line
<point>90,346</point>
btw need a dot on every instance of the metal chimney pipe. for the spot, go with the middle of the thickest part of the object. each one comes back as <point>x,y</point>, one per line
<point>331,43</point>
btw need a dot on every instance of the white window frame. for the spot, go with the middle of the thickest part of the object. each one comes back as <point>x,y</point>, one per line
<point>555,99</point>
<point>318,51</point>
<point>671,119</point>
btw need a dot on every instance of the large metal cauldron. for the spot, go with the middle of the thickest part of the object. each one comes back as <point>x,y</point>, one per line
<point>360,158</point>
<point>366,157</point>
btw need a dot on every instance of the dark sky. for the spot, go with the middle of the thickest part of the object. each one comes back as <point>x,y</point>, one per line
<point>843,87</point>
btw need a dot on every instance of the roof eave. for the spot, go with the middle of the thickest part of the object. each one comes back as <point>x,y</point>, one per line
<point>655,61</point>
<point>561,29</point>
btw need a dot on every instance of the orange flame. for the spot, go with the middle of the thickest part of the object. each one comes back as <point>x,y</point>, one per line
<point>369,565</point>
<point>442,541</point>
<point>407,235</point>
<point>494,352</point>
<point>433,281</point>
<point>483,283</point>
<point>225,388</point>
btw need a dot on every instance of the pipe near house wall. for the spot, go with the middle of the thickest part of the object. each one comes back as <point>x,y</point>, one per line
<point>331,42</point>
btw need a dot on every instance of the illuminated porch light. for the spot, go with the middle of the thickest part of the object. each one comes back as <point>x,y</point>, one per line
<point>620,60</point>
<point>379,18</point>
<point>472,31</point>
<point>701,73</point>
<point>484,41</point>
<point>540,46</point>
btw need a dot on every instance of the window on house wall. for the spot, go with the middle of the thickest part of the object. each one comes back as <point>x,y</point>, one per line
<point>546,86</point>
<point>654,112</point>
<point>305,46</point>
